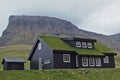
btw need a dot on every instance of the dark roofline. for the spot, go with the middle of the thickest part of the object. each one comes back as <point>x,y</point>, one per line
<point>109,53</point>
<point>33,49</point>
<point>13,60</point>
<point>76,39</point>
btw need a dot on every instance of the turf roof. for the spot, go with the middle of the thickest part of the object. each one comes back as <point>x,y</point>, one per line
<point>58,44</point>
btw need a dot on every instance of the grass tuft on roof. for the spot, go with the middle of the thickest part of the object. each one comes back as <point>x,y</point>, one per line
<point>58,44</point>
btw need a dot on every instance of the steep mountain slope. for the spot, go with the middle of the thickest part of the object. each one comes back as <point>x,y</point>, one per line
<point>115,37</point>
<point>25,29</point>
<point>106,40</point>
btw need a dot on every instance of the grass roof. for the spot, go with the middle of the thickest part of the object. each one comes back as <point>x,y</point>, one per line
<point>58,44</point>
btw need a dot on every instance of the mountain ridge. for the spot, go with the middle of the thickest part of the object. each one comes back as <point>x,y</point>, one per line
<point>26,29</point>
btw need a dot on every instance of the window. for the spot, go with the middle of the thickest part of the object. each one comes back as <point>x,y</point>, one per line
<point>106,59</point>
<point>66,58</point>
<point>98,61</point>
<point>39,46</point>
<point>89,45</point>
<point>84,61</point>
<point>78,44</point>
<point>84,45</point>
<point>47,61</point>
<point>91,61</point>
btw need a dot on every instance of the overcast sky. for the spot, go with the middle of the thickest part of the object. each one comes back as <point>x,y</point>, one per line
<point>100,16</point>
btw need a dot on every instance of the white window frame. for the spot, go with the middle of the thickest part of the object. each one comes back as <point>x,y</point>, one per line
<point>39,46</point>
<point>66,58</point>
<point>85,61</point>
<point>106,59</point>
<point>91,61</point>
<point>89,45</point>
<point>98,61</point>
<point>84,44</point>
<point>78,44</point>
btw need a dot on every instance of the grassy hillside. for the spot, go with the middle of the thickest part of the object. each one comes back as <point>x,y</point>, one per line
<point>117,59</point>
<point>16,51</point>
<point>70,74</point>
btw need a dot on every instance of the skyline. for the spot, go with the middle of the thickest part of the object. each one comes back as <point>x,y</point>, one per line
<point>101,16</point>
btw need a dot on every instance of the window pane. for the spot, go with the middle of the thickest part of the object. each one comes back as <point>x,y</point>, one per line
<point>84,61</point>
<point>89,45</point>
<point>66,57</point>
<point>98,61</point>
<point>84,45</point>
<point>91,61</point>
<point>106,59</point>
<point>39,46</point>
<point>78,44</point>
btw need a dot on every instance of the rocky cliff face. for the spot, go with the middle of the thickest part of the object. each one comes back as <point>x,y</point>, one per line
<point>25,30</point>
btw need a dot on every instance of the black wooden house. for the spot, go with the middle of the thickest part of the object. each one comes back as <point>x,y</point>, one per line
<point>54,53</point>
<point>13,64</point>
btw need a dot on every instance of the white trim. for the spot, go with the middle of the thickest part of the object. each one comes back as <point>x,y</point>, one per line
<point>98,61</point>
<point>66,58</point>
<point>91,61</point>
<point>78,44</point>
<point>106,59</point>
<point>77,63</point>
<point>84,61</point>
<point>84,44</point>
<point>89,44</point>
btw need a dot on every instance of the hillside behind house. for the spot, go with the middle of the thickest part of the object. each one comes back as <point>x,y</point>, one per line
<point>26,29</point>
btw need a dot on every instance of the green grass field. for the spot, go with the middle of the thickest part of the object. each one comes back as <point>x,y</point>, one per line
<point>22,51</point>
<point>61,74</point>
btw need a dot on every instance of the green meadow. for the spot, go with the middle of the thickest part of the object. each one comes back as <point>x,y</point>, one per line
<point>22,51</point>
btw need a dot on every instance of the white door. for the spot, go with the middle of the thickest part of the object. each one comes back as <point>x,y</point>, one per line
<point>40,64</point>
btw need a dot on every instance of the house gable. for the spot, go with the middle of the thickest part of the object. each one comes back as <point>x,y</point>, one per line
<point>41,51</point>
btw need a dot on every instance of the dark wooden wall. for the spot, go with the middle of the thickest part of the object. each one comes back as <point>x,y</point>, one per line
<point>58,60</point>
<point>13,66</point>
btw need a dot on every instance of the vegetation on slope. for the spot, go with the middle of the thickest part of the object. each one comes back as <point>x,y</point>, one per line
<point>69,74</point>
<point>16,51</point>
<point>57,43</point>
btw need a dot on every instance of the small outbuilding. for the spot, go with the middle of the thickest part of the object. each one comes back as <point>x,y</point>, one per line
<point>13,64</point>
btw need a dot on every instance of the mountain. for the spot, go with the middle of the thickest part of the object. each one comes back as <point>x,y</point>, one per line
<point>25,30</point>
<point>115,37</point>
